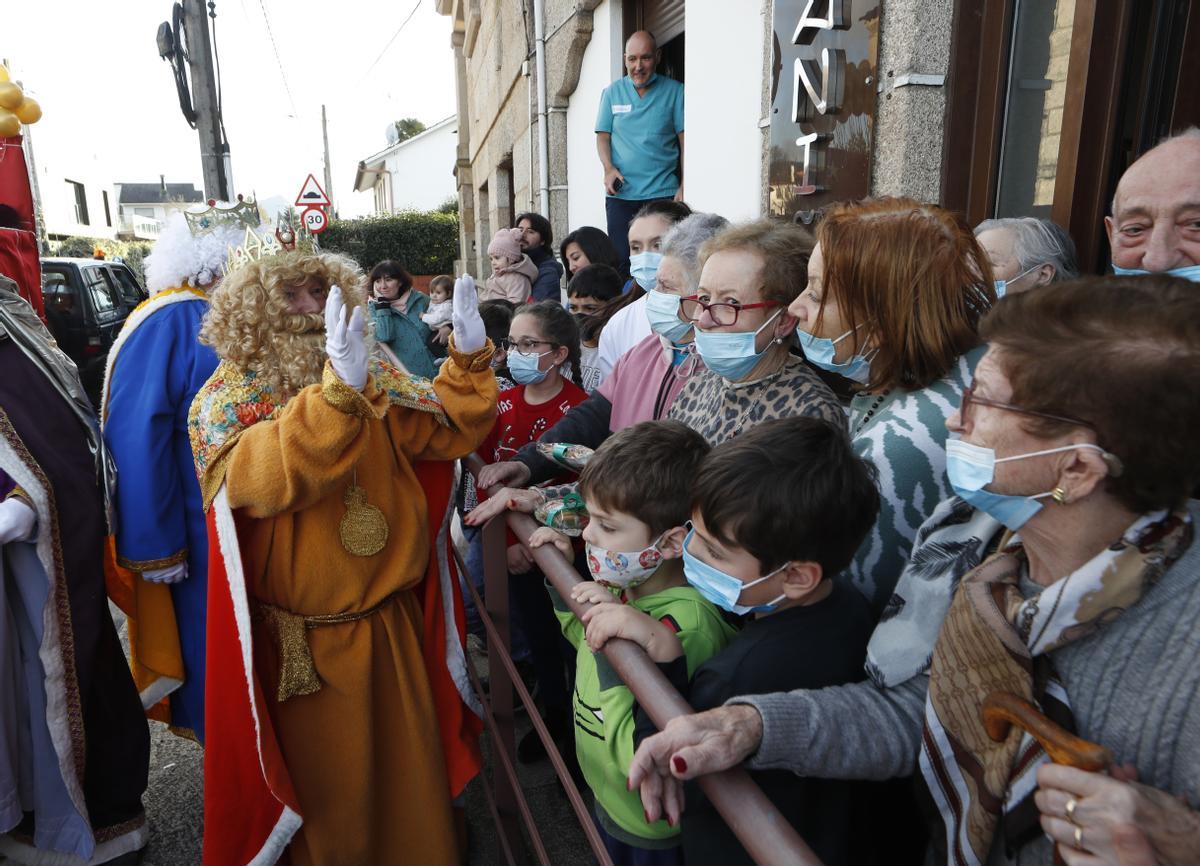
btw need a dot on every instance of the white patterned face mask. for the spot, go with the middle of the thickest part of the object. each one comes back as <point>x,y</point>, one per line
<point>623,570</point>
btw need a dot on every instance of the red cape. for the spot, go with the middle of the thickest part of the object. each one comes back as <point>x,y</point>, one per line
<point>19,258</point>
<point>250,807</point>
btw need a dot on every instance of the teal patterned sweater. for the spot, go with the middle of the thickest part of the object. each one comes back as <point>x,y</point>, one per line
<point>904,434</point>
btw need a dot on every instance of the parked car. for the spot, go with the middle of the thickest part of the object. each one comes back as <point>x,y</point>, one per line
<point>87,302</point>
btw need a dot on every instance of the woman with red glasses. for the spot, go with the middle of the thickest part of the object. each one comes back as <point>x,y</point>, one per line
<point>895,292</point>
<point>743,333</point>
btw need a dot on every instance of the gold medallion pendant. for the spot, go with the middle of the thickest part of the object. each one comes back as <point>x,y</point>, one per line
<point>364,529</point>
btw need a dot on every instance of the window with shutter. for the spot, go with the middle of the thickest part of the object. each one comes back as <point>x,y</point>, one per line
<point>663,18</point>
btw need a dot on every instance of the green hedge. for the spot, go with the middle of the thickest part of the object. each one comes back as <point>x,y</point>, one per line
<point>423,243</point>
<point>132,253</point>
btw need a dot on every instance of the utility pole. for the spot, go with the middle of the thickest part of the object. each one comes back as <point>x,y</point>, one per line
<point>328,171</point>
<point>213,151</point>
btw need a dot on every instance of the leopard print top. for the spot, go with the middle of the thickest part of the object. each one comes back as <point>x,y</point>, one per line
<point>719,410</point>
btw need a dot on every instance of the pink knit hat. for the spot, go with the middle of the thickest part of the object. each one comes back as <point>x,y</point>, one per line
<point>507,242</point>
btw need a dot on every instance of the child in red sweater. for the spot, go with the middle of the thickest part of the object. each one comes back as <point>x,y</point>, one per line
<point>543,359</point>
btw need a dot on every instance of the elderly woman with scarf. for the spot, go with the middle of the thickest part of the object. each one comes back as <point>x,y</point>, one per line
<point>1065,573</point>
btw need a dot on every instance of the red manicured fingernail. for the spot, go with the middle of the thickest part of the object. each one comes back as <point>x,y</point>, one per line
<point>647,814</point>
<point>512,503</point>
<point>679,764</point>
<point>628,785</point>
<point>670,822</point>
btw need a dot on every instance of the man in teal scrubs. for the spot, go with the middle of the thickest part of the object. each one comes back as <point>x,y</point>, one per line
<point>639,136</point>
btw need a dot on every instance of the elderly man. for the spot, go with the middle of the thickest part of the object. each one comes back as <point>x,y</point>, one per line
<point>328,478</point>
<point>1155,222</point>
<point>1026,252</point>
<point>639,136</point>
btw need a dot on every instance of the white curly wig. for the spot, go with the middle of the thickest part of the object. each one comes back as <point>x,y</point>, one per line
<point>180,258</point>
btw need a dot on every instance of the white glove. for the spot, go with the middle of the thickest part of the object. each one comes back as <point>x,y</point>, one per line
<point>17,521</point>
<point>469,334</point>
<point>170,574</point>
<point>345,343</point>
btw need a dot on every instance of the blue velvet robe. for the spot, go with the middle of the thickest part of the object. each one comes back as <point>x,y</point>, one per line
<point>158,371</point>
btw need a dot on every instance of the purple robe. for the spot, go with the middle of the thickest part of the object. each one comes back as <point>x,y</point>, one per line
<point>74,744</point>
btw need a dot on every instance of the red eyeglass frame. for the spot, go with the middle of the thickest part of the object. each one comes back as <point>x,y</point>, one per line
<point>737,309</point>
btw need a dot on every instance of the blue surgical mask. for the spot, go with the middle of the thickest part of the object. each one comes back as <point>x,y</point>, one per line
<point>1002,285</point>
<point>731,355</point>
<point>971,468</point>
<point>524,368</point>
<point>1188,272</point>
<point>723,589</point>
<point>643,267</point>
<point>662,309</point>
<point>820,350</point>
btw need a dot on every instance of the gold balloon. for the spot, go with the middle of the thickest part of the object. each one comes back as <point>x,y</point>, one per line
<point>9,124</point>
<point>11,95</point>
<point>29,111</point>
<point>3,74</point>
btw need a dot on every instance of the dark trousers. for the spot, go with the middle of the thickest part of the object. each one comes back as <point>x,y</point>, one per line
<point>548,650</point>
<point>624,854</point>
<point>620,214</point>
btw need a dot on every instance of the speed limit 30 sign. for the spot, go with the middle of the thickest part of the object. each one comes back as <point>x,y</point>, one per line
<point>315,220</point>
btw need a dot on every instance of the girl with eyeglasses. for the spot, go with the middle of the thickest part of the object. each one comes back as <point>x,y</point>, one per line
<point>543,359</point>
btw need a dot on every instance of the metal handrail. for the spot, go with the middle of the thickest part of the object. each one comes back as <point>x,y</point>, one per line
<point>758,825</point>
<point>498,646</point>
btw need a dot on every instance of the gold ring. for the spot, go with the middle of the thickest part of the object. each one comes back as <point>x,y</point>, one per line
<point>1071,804</point>
<point>1079,838</point>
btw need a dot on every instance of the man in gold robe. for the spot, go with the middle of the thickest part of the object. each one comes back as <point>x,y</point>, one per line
<point>337,713</point>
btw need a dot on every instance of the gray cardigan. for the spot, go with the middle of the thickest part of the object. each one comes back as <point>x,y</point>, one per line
<point>1134,686</point>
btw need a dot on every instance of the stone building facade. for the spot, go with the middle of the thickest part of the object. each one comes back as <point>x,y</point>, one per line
<point>989,107</point>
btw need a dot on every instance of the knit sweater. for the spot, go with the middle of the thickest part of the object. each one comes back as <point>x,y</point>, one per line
<point>1133,687</point>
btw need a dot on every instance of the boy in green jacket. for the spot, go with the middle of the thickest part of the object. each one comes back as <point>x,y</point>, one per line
<point>637,488</point>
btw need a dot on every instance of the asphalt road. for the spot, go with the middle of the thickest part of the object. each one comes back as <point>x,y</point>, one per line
<point>175,803</point>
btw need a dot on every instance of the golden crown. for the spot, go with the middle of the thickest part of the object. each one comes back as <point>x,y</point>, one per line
<point>244,213</point>
<point>263,243</point>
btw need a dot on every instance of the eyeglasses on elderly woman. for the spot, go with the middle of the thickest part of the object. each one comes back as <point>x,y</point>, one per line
<point>970,398</point>
<point>722,314</point>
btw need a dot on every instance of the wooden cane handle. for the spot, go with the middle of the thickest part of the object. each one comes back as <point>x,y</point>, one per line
<point>1002,710</point>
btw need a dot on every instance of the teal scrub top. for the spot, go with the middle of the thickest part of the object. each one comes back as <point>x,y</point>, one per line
<point>644,130</point>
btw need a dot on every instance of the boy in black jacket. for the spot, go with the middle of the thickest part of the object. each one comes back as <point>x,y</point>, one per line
<point>777,513</point>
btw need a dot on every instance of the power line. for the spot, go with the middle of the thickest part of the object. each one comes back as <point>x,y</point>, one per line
<point>393,39</point>
<point>278,62</point>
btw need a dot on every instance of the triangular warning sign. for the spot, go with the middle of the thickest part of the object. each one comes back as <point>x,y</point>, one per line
<point>311,195</point>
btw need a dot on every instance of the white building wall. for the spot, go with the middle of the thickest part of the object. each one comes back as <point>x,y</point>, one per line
<point>423,170</point>
<point>58,202</point>
<point>722,169</point>
<point>601,66</point>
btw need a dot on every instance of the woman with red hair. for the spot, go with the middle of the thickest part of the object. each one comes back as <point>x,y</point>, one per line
<point>895,293</point>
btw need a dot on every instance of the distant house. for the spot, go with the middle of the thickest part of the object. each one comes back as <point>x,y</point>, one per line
<point>414,174</point>
<point>76,200</point>
<point>144,207</point>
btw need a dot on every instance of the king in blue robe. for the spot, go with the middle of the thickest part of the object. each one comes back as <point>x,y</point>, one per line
<point>156,368</point>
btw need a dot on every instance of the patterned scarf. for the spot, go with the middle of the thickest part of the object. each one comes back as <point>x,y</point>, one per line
<point>995,640</point>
